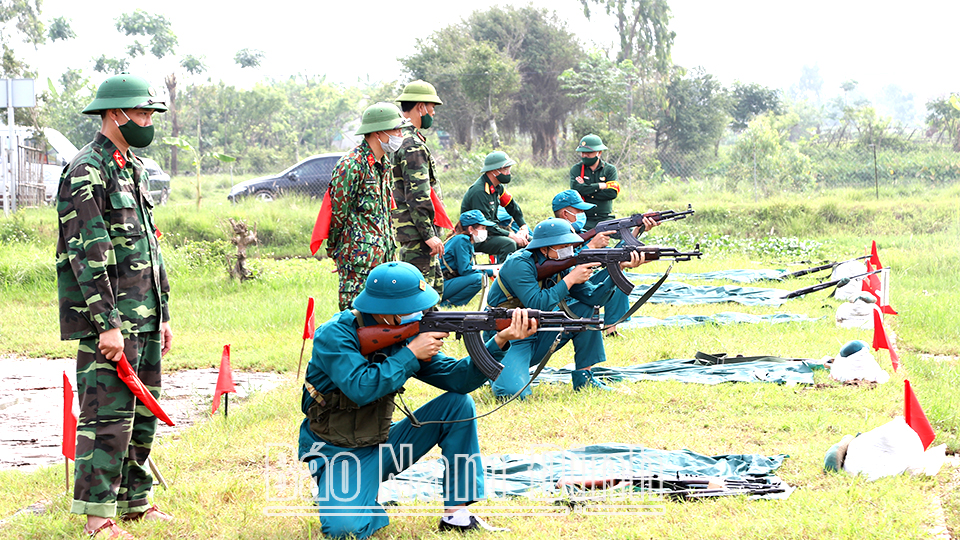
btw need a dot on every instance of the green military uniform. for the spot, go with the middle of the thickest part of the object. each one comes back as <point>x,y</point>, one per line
<point>591,192</point>
<point>361,236</point>
<point>486,198</point>
<point>110,274</point>
<point>414,175</point>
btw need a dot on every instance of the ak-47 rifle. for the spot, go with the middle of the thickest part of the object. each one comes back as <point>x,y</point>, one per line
<point>469,325</point>
<point>827,284</point>
<point>611,259</point>
<point>820,268</point>
<point>626,225</point>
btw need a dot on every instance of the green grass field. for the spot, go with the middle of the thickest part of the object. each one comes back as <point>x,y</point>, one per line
<point>216,469</point>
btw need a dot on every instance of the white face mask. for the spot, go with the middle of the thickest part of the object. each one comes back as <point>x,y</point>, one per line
<point>393,143</point>
<point>479,237</point>
<point>564,253</point>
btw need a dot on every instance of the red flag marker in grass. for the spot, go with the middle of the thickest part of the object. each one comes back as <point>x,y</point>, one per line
<point>224,382</point>
<point>69,445</point>
<point>874,258</point>
<point>880,340</point>
<point>308,330</point>
<point>913,414</point>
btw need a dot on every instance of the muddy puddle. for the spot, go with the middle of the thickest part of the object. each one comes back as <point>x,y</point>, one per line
<point>31,405</point>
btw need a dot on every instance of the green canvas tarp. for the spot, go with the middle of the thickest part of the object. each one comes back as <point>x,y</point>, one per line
<point>535,474</point>
<point>726,317</point>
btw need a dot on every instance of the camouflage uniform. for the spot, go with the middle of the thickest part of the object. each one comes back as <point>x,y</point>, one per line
<point>110,274</point>
<point>361,236</point>
<point>414,174</point>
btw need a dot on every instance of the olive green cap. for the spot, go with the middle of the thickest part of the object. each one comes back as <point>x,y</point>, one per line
<point>591,143</point>
<point>125,91</point>
<point>419,92</point>
<point>380,117</point>
<point>496,160</point>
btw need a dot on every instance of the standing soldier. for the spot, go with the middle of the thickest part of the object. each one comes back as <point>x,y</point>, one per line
<point>487,194</point>
<point>360,236</point>
<point>414,178</point>
<point>595,180</point>
<point>113,294</point>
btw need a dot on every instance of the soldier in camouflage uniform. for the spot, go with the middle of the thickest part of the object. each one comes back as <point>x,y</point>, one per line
<point>361,236</point>
<point>414,175</point>
<point>113,294</point>
<point>487,194</point>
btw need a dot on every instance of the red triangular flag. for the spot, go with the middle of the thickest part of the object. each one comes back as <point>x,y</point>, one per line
<point>913,414</point>
<point>321,229</point>
<point>874,258</point>
<point>224,379</point>
<point>880,340</point>
<point>139,390</point>
<point>308,324</point>
<point>869,285</point>
<point>69,445</point>
<point>887,310</point>
<point>440,218</point>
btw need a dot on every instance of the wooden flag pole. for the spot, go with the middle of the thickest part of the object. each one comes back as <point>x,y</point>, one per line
<point>300,363</point>
<point>66,474</point>
<point>156,472</point>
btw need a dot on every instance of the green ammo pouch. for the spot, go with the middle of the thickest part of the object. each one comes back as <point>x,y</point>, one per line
<point>341,422</point>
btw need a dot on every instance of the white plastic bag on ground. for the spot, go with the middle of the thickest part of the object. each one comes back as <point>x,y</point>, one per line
<point>889,450</point>
<point>847,269</point>
<point>857,313</point>
<point>859,365</point>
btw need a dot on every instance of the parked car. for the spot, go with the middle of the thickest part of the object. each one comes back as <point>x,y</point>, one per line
<point>310,177</point>
<point>159,181</point>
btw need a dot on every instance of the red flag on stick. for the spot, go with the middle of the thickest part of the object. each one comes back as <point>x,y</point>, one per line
<point>869,285</point>
<point>321,229</point>
<point>874,258</point>
<point>880,340</point>
<point>309,324</point>
<point>129,377</point>
<point>440,218</point>
<point>224,379</point>
<point>69,445</point>
<point>914,416</point>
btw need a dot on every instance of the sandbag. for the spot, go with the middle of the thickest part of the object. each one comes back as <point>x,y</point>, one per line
<point>859,365</point>
<point>854,288</point>
<point>891,449</point>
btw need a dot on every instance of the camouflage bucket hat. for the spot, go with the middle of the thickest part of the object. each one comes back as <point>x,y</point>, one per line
<point>420,92</point>
<point>380,117</point>
<point>395,288</point>
<point>125,91</point>
<point>591,143</point>
<point>496,160</point>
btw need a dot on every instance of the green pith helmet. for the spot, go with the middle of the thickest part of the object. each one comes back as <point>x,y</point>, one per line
<point>853,347</point>
<point>125,91</point>
<point>496,160</point>
<point>395,288</point>
<point>591,143</point>
<point>553,232</point>
<point>380,117</point>
<point>419,92</point>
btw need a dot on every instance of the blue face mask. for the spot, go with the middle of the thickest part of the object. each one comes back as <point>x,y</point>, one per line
<point>580,222</point>
<point>413,317</point>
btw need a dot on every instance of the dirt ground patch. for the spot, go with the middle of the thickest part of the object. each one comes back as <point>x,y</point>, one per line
<point>31,404</point>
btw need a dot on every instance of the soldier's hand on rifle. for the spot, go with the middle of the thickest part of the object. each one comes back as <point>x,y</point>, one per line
<point>600,240</point>
<point>436,246</point>
<point>426,345</point>
<point>521,327</point>
<point>636,259</point>
<point>649,223</point>
<point>580,274</point>
<point>111,344</point>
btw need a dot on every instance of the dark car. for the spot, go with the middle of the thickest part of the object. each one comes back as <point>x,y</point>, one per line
<point>310,177</point>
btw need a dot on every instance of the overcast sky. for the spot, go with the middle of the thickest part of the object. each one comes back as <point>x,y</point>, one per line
<point>876,43</point>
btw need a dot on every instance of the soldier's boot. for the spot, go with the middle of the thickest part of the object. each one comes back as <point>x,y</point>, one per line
<point>583,378</point>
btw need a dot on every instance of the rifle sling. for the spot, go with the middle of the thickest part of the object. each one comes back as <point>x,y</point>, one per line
<point>543,363</point>
<point>643,299</point>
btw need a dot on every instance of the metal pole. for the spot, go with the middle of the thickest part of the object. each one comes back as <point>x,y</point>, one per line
<point>13,176</point>
<point>876,175</point>
<point>66,474</point>
<point>156,472</point>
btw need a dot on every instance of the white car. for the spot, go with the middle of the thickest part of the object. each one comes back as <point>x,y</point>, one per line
<point>159,181</point>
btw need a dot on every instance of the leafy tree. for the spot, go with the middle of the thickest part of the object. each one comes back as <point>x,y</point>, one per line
<point>642,26</point>
<point>489,78</point>
<point>811,83</point>
<point>943,121</point>
<point>692,121</point>
<point>750,100</point>
<point>184,143</point>
<point>25,18</point>
<point>898,104</point>
<point>59,107</point>
<point>764,156</point>
<point>248,58</point>
<point>60,30</point>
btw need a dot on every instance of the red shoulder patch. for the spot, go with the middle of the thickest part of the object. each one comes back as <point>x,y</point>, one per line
<point>118,157</point>
<point>371,160</point>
